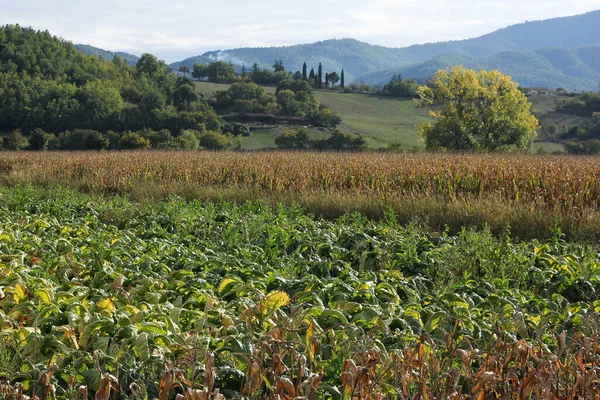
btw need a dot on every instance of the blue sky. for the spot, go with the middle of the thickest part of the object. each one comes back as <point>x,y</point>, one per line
<point>177,29</point>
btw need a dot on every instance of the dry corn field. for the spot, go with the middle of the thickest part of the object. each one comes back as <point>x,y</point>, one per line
<point>553,181</point>
<point>528,193</point>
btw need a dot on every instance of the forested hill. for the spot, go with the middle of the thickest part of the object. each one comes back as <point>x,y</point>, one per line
<point>105,54</point>
<point>45,83</point>
<point>509,49</point>
<point>357,58</point>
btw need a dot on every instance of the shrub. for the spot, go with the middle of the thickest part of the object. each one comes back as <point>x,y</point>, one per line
<point>132,140</point>
<point>14,141</point>
<point>214,140</point>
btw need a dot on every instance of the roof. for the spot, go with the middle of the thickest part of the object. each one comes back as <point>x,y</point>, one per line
<point>259,115</point>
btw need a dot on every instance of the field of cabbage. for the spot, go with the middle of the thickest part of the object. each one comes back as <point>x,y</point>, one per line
<point>105,298</point>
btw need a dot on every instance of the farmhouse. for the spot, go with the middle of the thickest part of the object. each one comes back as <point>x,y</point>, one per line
<point>270,119</point>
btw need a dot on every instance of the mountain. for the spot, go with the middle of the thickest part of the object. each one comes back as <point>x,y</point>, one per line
<point>573,69</point>
<point>356,57</point>
<point>538,47</point>
<point>105,54</point>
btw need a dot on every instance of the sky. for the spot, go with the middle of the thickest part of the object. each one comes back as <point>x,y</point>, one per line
<point>178,29</point>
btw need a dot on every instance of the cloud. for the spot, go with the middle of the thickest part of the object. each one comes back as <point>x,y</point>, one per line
<point>177,29</point>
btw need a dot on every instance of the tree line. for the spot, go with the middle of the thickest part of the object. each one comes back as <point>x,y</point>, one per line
<point>46,85</point>
<point>224,72</point>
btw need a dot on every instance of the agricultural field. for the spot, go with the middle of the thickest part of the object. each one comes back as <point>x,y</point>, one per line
<point>107,298</point>
<point>529,193</point>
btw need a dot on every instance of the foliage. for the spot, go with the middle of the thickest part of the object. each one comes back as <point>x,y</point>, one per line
<point>215,141</point>
<point>181,298</point>
<point>398,87</point>
<point>589,147</point>
<point>475,111</point>
<point>14,141</point>
<point>47,84</point>
<point>301,140</point>
<point>341,141</point>
<point>132,140</point>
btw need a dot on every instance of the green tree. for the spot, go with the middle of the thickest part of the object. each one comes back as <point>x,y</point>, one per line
<point>333,78</point>
<point>475,111</point>
<point>320,76</point>
<point>278,66</point>
<point>184,69</point>
<point>220,71</point>
<point>215,141</point>
<point>14,141</point>
<point>199,71</point>
<point>342,79</point>
<point>38,140</point>
<point>304,71</point>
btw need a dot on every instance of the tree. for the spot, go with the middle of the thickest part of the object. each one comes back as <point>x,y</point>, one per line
<point>199,71</point>
<point>475,111</point>
<point>184,69</point>
<point>304,71</point>
<point>14,140</point>
<point>220,71</point>
<point>342,79</point>
<point>320,76</point>
<point>333,78</point>
<point>278,66</point>
<point>312,74</point>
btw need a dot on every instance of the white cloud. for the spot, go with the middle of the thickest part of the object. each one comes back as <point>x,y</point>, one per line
<point>178,29</point>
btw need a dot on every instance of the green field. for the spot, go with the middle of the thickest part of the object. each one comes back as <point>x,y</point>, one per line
<point>381,120</point>
<point>112,299</point>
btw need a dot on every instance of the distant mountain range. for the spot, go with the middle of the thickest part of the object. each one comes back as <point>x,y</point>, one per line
<point>108,55</point>
<point>560,52</point>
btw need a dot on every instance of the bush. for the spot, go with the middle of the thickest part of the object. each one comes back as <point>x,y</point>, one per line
<point>214,140</point>
<point>294,140</point>
<point>132,140</point>
<point>326,118</point>
<point>14,141</point>
<point>341,141</point>
<point>94,140</point>
<point>188,140</point>
<point>38,140</point>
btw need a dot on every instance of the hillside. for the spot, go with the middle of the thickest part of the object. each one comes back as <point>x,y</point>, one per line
<point>383,121</point>
<point>573,69</point>
<point>105,54</point>
<point>357,58</point>
<point>555,52</point>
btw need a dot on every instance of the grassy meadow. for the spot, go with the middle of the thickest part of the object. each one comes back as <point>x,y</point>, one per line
<point>383,121</point>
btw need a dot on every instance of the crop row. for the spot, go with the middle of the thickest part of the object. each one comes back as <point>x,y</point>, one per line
<point>552,182</point>
<point>101,296</point>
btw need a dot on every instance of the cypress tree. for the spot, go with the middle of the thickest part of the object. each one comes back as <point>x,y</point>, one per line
<point>320,76</point>
<point>312,73</point>
<point>326,79</point>
<point>304,71</point>
<point>342,79</point>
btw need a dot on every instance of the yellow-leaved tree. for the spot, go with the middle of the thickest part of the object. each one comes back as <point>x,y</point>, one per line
<point>476,111</point>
